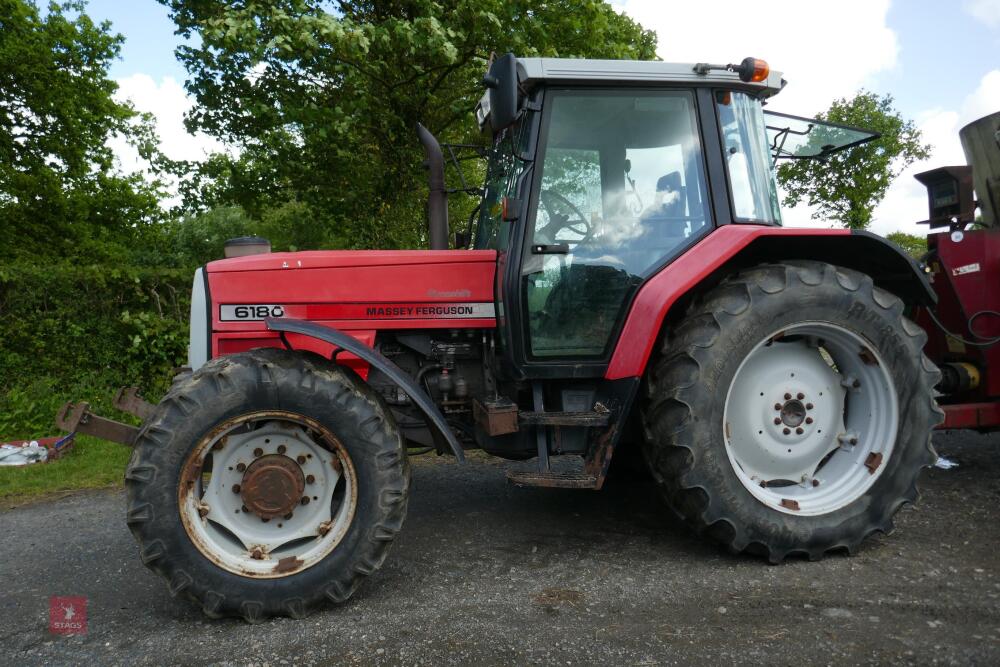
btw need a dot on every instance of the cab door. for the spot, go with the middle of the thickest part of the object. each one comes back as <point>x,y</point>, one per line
<point>619,190</point>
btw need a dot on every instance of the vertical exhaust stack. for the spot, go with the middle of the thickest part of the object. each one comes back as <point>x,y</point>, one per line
<point>437,200</point>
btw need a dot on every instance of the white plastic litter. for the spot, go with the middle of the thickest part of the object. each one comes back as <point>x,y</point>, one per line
<point>21,456</point>
<point>945,464</point>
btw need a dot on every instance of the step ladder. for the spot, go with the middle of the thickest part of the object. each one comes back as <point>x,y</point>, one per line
<point>594,469</point>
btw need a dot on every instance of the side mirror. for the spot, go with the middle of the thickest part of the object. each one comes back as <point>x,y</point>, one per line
<point>502,83</point>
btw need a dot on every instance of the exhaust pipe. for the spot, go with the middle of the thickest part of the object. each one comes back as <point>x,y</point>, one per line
<point>437,201</point>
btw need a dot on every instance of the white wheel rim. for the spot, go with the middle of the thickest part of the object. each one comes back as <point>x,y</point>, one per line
<point>248,540</point>
<point>810,419</point>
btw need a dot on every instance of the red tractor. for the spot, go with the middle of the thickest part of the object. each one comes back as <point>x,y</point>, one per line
<point>627,283</point>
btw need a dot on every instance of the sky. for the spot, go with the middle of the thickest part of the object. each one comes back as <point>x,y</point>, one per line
<point>940,60</point>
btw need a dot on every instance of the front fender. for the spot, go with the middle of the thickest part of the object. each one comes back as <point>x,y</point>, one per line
<point>373,357</point>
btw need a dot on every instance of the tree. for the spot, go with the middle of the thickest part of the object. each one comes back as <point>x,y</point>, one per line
<point>847,186</point>
<point>59,188</point>
<point>915,246</point>
<point>322,98</point>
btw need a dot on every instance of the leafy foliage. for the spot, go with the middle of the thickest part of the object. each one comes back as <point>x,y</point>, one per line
<point>323,98</point>
<point>59,190</point>
<point>847,186</point>
<point>915,246</point>
<point>67,327</point>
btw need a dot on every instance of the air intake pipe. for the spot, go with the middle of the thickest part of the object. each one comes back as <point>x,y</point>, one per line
<point>437,200</point>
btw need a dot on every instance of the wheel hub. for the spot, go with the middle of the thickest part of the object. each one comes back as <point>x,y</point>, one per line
<point>272,486</point>
<point>806,411</point>
<point>270,493</point>
<point>793,413</point>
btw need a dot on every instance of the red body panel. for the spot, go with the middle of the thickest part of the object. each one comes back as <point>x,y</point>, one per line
<point>642,326</point>
<point>985,416</point>
<point>966,277</point>
<point>358,292</point>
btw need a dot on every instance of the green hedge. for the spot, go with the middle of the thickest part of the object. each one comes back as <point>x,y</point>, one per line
<point>78,332</point>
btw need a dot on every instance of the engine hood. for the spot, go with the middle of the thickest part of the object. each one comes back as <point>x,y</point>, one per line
<point>355,289</point>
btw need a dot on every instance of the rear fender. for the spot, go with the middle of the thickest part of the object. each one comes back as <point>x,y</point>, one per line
<point>350,344</point>
<point>733,247</point>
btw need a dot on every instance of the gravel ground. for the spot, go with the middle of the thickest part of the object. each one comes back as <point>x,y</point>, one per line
<point>488,573</point>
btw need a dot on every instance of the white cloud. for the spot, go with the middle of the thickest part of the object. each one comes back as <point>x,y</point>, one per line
<point>825,50</point>
<point>906,201</point>
<point>987,11</point>
<point>167,101</point>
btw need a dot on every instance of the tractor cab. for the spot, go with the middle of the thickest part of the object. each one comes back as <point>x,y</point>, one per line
<point>602,172</point>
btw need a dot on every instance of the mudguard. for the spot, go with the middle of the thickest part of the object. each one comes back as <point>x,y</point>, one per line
<point>728,248</point>
<point>392,371</point>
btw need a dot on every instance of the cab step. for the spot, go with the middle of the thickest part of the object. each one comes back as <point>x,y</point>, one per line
<point>553,480</point>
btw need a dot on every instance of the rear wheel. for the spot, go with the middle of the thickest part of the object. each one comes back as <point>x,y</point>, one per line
<point>791,411</point>
<point>267,483</point>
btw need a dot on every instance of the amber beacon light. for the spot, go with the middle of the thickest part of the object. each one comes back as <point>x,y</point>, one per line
<point>752,69</point>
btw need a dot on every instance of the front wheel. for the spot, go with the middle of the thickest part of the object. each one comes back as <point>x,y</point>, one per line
<point>791,412</point>
<point>267,483</point>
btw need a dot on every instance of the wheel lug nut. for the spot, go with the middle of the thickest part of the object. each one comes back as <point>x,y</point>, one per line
<point>809,406</point>
<point>258,452</point>
<point>244,508</point>
<point>288,516</point>
<point>264,519</point>
<point>281,449</point>
<point>798,430</point>
<point>305,500</point>
<point>786,430</point>
<point>809,420</point>
<point>310,479</point>
<point>777,420</point>
<point>815,482</point>
<point>800,396</point>
<point>236,488</point>
<point>301,459</point>
<point>787,396</point>
<point>777,406</point>
<point>241,467</point>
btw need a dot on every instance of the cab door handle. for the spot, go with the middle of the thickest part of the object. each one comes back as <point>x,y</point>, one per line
<point>550,249</point>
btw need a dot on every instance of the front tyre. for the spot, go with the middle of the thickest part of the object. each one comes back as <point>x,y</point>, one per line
<point>267,483</point>
<point>791,411</point>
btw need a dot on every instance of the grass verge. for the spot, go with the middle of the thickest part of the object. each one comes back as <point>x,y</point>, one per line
<point>91,464</point>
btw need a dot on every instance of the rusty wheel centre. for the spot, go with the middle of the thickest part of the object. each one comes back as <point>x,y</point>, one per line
<point>268,494</point>
<point>272,486</point>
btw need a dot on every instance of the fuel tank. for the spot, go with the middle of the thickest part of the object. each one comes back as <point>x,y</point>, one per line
<point>359,292</point>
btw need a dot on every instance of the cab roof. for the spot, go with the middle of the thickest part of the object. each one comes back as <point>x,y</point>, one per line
<point>535,71</point>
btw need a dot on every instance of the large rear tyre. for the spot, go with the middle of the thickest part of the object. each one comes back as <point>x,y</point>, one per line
<point>791,411</point>
<point>266,484</point>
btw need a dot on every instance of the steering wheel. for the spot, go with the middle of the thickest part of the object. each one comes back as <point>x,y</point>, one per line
<point>559,222</point>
